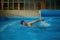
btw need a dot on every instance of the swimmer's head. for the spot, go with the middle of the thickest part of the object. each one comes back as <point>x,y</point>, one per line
<point>22,22</point>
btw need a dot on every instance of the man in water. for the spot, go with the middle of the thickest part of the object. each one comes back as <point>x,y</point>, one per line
<point>30,23</point>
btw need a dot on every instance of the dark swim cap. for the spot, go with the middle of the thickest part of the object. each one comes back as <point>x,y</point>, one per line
<point>22,21</point>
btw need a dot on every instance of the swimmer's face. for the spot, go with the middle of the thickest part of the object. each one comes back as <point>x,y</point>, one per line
<point>23,23</point>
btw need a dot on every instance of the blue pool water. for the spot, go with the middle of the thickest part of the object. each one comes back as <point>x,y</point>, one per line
<point>11,29</point>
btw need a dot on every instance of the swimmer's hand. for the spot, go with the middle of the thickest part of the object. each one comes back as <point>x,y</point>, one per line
<point>42,19</point>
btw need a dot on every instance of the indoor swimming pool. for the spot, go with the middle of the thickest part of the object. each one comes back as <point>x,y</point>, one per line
<point>11,29</point>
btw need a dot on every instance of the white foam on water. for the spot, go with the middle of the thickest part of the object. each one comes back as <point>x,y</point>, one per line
<point>45,24</point>
<point>5,26</point>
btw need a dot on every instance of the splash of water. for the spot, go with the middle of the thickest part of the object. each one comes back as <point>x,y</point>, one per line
<point>45,24</point>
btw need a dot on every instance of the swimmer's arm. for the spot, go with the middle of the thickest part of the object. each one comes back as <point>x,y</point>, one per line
<point>36,21</point>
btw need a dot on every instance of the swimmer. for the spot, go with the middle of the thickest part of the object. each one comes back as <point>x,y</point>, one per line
<point>30,23</point>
